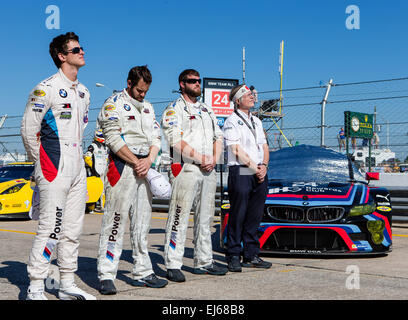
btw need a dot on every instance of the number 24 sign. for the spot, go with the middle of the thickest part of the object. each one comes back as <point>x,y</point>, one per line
<point>220,99</point>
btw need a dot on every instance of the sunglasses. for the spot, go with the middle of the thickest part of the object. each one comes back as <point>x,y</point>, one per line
<point>192,81</point>
<point>75,50</point>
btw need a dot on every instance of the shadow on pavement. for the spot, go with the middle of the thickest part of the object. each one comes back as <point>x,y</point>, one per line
<point>16,273</point>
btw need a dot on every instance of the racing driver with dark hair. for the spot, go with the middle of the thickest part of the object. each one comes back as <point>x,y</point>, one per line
<point>52,128</point>
<point>195,140</point>
<point>133,136</point>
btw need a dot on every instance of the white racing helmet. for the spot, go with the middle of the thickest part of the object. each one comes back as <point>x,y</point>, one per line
<point>159,186</point>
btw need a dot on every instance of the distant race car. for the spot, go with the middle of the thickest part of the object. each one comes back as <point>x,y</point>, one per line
<point>16,190</point>
<point>319,203</point>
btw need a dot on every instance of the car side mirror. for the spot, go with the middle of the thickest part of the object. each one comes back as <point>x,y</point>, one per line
<point>372,176</point>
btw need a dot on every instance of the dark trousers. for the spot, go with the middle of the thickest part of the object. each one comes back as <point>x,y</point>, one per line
<point>247,200</point>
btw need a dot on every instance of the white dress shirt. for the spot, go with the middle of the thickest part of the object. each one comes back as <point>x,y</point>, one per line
<point>236,131</point>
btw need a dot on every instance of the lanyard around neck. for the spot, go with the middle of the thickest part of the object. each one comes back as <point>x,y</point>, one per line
<point>252,129</point>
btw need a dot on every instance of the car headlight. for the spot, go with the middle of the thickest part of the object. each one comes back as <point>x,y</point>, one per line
<point>13,189</point>
<point>376,228</point>
<point>362,210</point>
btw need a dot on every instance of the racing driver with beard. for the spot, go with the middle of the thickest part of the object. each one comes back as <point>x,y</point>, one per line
<point>195,141</point>
<point>133,136</point>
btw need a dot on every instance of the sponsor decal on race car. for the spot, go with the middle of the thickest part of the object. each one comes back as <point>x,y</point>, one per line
<point>322,189</point>
<point>384,208</point>
<point>386,198</point>
<point>305,251</point>
<point>305,187</point>
<point>387,204</point>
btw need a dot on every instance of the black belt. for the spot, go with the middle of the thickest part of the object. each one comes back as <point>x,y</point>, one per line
<point>238,166</point>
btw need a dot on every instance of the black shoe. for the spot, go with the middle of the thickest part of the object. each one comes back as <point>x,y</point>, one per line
<point>256,262</point>
<point>150,281</point>
<point>212,269</point>
<point>234,264</point>
<point>107,287</point>
<point>175,275</point>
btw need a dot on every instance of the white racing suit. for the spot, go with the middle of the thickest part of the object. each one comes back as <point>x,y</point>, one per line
<point>98,153</point>
<point>54,120</point>
<point>199,128</point>
<point>97,158</point>
<point>124,120</point>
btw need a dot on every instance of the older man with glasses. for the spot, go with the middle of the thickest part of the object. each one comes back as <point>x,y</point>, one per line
<point>248,157</point>
<point>195,141</point>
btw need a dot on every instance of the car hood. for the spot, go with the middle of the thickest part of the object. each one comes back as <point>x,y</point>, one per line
<point>311,188</point>
<point>316,193</point>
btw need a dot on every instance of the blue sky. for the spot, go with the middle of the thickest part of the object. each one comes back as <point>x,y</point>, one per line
<point>170,35</point>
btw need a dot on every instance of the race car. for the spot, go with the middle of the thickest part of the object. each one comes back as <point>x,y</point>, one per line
<point>319,203</point>
<point>16,190</point>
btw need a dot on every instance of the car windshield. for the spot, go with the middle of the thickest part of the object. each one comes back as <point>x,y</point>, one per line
<point>311,163</point>
<point>15,172</point>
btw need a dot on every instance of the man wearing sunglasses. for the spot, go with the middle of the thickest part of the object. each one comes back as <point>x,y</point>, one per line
<point>52,128</point>
<point>195,141</point>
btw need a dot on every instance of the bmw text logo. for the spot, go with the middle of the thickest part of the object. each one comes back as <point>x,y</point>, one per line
<point>127,107</point>
<point>63,93</point>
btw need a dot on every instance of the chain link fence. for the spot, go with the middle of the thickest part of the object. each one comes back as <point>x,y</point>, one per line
<point>302,122</point>
<point>307,120</point>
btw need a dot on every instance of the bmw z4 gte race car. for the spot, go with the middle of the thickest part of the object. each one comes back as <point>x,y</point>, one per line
<point>319,203</point>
